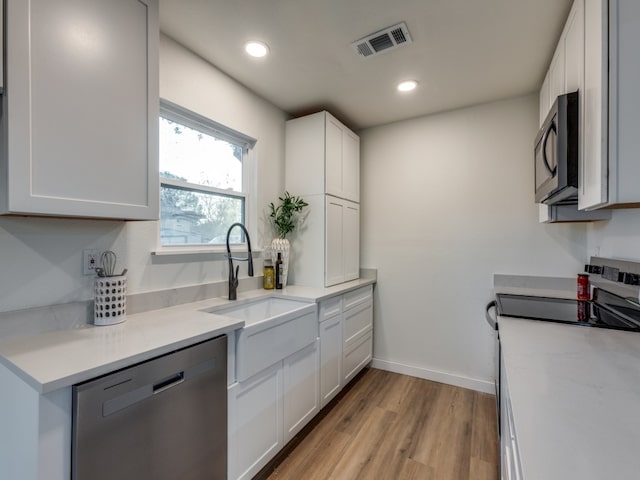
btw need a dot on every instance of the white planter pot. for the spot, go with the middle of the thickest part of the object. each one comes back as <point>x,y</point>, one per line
<point>282,246</point>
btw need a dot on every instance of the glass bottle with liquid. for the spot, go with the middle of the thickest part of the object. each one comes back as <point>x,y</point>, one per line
<point>279,271</point>
<point>268,272</point>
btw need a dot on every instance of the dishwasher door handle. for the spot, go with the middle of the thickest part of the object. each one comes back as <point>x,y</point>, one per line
<point>168,383</point>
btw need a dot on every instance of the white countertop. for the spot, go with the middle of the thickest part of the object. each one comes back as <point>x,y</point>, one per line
<point>56,359</point>
<point>558,287</point>
<point>575,395</point>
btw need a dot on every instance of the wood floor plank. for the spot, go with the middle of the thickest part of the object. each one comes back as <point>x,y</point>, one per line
<point>481,470</point>
<point>358,457</point>
<point>314,462</point>
<point>445,442</point>
<point>396,427</point>
<point>401,441</point>
<point>484,427</point>
<point>363,399</point>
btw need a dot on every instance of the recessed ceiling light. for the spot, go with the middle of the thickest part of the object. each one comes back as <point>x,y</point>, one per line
<point>256,49</point>
<point>407,86</point>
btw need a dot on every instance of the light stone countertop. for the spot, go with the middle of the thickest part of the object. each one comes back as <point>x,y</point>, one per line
<point>557,287</point>
<point>56,359</point>
<point>575,393</point>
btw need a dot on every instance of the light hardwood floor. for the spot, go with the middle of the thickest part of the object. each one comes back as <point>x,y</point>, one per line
<point>396,427</point>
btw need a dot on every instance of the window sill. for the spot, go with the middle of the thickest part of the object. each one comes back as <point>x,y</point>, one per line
<point>212,253</point>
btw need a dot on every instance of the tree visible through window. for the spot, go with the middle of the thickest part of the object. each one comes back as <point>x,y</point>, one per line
<point>201,179</point>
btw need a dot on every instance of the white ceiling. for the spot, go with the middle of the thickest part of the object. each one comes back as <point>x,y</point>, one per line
<point>464,52</point>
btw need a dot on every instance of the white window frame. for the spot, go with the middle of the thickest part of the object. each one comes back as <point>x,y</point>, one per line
<point>177,113</point>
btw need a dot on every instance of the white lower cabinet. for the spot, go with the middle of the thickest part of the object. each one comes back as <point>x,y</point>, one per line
<point>330,358</point>
<point>357,356</point>
<point>255,422</point>
<point>346,339</point>
<point>357,348</point>
<point>509,454</point>
<point>301,398</point>
<point>268,409</point>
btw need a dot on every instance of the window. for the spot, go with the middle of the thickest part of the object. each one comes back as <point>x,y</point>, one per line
<point>203,178</point>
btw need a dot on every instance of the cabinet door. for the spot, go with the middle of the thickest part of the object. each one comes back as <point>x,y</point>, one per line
<point>556,74</point>
<point>544,99</point>
<point>351,241</point>
<point>301,395</point>
<point>334,266</point>
<point>81,108</point>
<point>255,422</point>
<point>342,160</point>
<point>624,103</point>
<point>333,156</point>
<point>574,49</point>
<point>593,169</point>
<point>330,358</point>
<point>351,166</point>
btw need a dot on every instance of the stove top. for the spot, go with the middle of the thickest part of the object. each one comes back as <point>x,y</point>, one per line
<point>605,310</point>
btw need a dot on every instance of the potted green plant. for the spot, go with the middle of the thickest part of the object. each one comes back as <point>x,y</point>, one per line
<point>284,218</point>
<point>283,214</point>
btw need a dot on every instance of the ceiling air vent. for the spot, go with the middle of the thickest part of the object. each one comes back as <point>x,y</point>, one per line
<point>387,39</point>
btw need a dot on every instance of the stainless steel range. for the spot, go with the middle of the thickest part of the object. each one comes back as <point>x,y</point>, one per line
<point>605,310</point>
<point>614,304</point>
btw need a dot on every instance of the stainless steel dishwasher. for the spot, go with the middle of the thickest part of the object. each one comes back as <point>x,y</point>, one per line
<point>165,418</point>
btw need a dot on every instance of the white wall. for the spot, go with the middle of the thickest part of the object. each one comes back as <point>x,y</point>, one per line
<point>447,201</point>
<point>40,258</point>
<point>617,238</point>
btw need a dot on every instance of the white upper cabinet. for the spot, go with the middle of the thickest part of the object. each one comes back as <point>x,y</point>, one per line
<point>323,156</point>
<point>592,181</point>
<point>610,168</point>
<point>80,109</point>
<point>566,71</point>
<point>573,37</point>
<point>544,99</point>
<point>556,73</point>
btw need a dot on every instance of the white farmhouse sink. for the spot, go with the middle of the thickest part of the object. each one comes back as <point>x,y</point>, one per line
<point>261,310</point>
<point>274,329</point>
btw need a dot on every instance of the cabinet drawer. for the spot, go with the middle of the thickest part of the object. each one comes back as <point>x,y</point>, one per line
<point>330,308</point>
<point>356,297</point>
<point>357,321</point>
<point>357,356</point>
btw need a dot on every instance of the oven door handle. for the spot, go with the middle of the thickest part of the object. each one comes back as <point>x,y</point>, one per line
<point>491,320</point>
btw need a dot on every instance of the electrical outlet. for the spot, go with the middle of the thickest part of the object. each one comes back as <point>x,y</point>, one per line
<point>89,261</point>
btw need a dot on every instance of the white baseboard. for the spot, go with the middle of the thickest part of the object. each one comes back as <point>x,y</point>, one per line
<point>442,377</point>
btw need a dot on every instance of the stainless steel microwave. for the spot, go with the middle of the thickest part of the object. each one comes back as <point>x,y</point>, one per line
<point>556,153</point>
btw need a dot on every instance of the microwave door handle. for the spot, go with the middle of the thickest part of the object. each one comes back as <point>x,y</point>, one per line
<point>552,171</point>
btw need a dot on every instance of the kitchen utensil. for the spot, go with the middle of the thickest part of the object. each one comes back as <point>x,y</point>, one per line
<point>100,272</point>
<point>108,262</point>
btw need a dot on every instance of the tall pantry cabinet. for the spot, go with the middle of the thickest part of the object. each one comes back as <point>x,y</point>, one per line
<point>323,167</point>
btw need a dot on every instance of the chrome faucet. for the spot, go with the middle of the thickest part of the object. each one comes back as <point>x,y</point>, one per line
<point>233,277</point>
